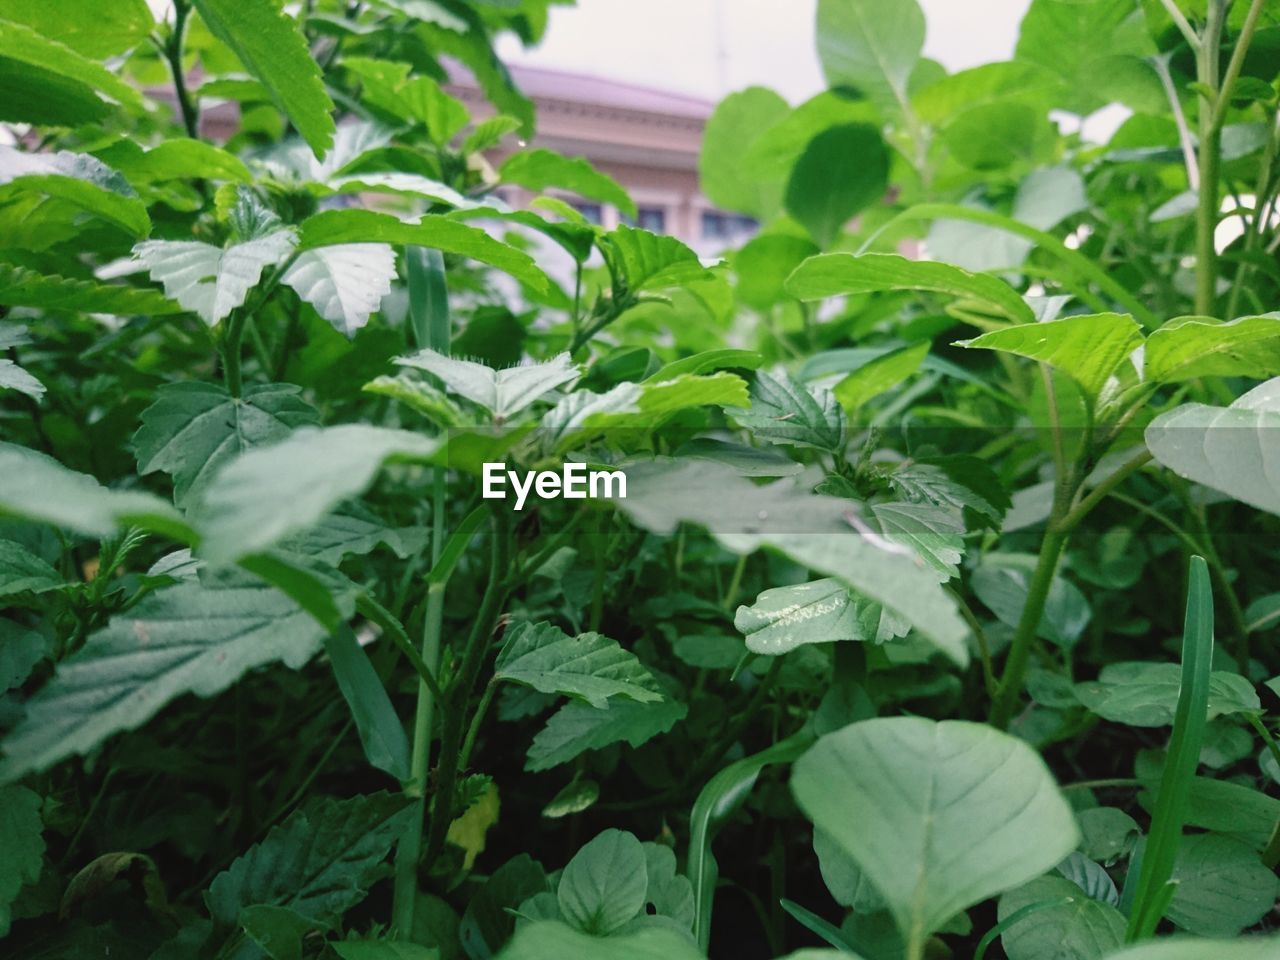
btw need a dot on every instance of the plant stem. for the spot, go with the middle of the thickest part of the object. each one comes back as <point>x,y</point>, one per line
<point>1184,26</point>
<point>1207,61</point>
<point>1103,489</point>
<point>231,339</point>
<point>173,54</point>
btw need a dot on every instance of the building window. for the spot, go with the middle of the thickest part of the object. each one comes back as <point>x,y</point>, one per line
<point>591,212</point>
<point>653,219</point>
<point>726,226</point>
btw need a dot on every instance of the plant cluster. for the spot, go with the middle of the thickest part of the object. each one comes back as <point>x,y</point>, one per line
<point>938,618</point>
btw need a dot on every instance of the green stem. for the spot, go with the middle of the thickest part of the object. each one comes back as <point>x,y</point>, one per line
<point>1210,158</point>
<point>231,340</point>
<point>473,731</point>
<point>1103,489</point>
<point>735,584</point>
<point>173,54</point>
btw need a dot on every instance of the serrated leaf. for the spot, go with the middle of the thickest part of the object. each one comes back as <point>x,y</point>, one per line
<point>958,482</point>
<point>1089,349</point>
<point>649,261</point>
<point>192,429</point>
<point>273,49</point>
<point>21,571</point>
<point>539,169</point>
<point>503,393</point>
<point>604,885</point>
<point>212,281</point>
<point>417,394</point>
<point>318,863</point>
<point>46,56</point>
<point>20,650</point>
<point>90,28</point>
<point>1226,448</point>
<point>13,377</point>
<point>785,411</point>
<point>39,488</point>
<point>1072,928</point>
<point>939,816</point>
<point>578,727</point>
<point>842,274</point>
<point>1189,347</point>
<point>934,534</point>
<point>268,493</point>
<point>1143,694</point>
<point>589,666</point>
<point>345,282</point>
<point>79,179</point>
<point>193,637</point>
<point>21,844</point>
<point>20,287</point>
<point>431,230</point>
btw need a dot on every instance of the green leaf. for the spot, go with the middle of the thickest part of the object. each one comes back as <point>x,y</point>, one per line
<point>489,921</point>
<point>960,482</point>
<point>871,46</point>
<point>80,80</point>
<point>382,950</point>
<point>820,611</point>
<point>13,377</point>
<point>841,274</point>
<point>827,190</point>
<point>763,265</point>
<point>552,940</point>
<point>881,374</point>
<point>20,650</point>
<point>20,287</point>
<point>737,122</point>
<point>381,733</point>
<point>278,930</point>
<point>1074,928</point>
<point>787,412</point>
<point>995,136</point>
<point>178,159</point>
<point>503,393</point>
<point>934,534</point>
<point>193,429</point>
<point>1222,886</point>
<point>1108,833</point>
<point>197,636</point>
<point>80,180</point>
<point>1002,581</point>
<point>93,29</point>
<point>22,571</point>
<point>1143,694</point>
<point>318,863</point>
<point>578,727</point>
<point>1248,948</point>
<point>1089,349</point>
<point>587,667</point>
<point>431,230</point>
<point>39,488</point>
<point>708,361</point>
<point>388,86</point>
<point>1187,348</point>
<point>539,169</point>
<point>212,281</point>
<point>605,884</point>
<point>1226,448</point>
<point>345,282</point>
<point>273,49</point>
<point>21,845</point>
<point>939,816</point>
<point>268,493</point>
<point>649,261</point>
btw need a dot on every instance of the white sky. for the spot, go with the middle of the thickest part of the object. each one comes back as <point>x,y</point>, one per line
<point>676,44</point>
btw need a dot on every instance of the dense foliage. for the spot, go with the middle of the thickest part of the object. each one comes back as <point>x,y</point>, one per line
<point>938,618</point>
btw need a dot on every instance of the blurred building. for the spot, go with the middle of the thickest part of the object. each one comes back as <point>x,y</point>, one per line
<point>648,140</point>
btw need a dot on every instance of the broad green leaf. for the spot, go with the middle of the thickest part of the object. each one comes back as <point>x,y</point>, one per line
<point>20,287</point>
<point>578,727</point>
<point>318,863</point>
<point>93,29</point>
<point>551,940</point>
<point>933,534</point>
<point>1108,833</point>
<point>1182,948</point>
<point>1001,582</point>
<point>273,49</point>
<point>1090,877</point>
<point>21,845</point>
<point>80,180</point>
<point>1222,886</point>
<point>820,611</point>
<point>996,136</point>
<point>278,930</point>
<point>940,816</point>
<point>20,650</point>
<point>604,885</point>
<point>192,429</point>
<point>353,530</point>
<point>197,636</point>
<point>14,377</point>
<point>268,493</point>
<point>383,950</point>
<point>212,281</point>
<point>381,732</point>
<point>960,482</point>
<point>539,169</point>
<point>670,894</point>
<point>1074,928</point>
<point>737,122</point>
<point>649,261</point>
<point>1226,448</point>
<point>177,159</point>
<point>1089,349</point>
<point>881,374</point>
<point>489,920</point>
<point>768,156</point>
<point>841,274</point>
<point>871,46</point>
<point>503,393</point>
<point>763,264</point>
<point>1190,347</point>
<point>589,666</point>
<point>79,79</point>
<point>939,102</point>
<point>405,184</point>
<point>787,412</point>
<point>828,187</point>
<point>386,85</point>
<point>708,361</point>
<point>417,394</point>
<point>39,488</point>
<point>814,531</point>
<point>345,282</point>
<point>845,880</point>
<point>332,227</point>
<point>1143,694</point>
<point>22,571</point>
